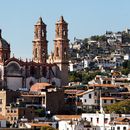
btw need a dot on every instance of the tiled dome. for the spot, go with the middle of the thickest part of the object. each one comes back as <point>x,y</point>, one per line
<point>3,43</point>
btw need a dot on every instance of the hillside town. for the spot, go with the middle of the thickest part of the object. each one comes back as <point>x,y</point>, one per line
<point>81,85</point>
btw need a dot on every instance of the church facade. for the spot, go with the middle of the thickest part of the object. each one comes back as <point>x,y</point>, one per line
<point>16,73</point>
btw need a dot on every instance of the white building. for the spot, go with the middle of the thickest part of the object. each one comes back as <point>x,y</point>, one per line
<point>120,123</point>
<point>88,98</point>
<point>113,37</point>
<point>72,122</point>
<point>100,120</point>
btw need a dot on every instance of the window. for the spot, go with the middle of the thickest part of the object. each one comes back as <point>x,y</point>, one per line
<point>109,82</point>
<point>105,120</point>
<point>97,120</point>
<point>124,128</point>
<point>0,109</point>
<point>85,100</point>
<point>57,51</point>
<point>15,118</point>
<point>36,53</point>
<point>105,101</point>
<point>90,96</point>
<point>91,119</point>
<point>111,101</point>
<point>64,33</point>
<point>104,82</point>
<point>0,101</point>
<point>95,93</point>
<point>11,118</point>
<point>42,33</point>
<point>112,118</point>
<point>118,128</point>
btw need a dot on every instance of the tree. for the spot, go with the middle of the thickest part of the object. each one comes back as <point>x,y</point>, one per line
<point>75,77</point>
<point>98,38</point>
<point>119,107</point>
<point>40,112</point>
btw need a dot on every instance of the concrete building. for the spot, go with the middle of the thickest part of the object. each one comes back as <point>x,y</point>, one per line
<point>6,98</point>
<point>3,122</point>
<point>46,96</point>
<point>15,113</point>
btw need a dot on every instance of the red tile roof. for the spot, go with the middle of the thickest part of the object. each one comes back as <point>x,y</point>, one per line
<point>39,124</point>
<point>74,91</point>
<point>103,85</point>
<point>39,86</point>
<point>68,117</point>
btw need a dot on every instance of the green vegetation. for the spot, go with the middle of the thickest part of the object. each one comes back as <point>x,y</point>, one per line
<point>40,112</point>
<point>98,38</point>
<point>119,107</point>
<point>126,67</point>
<point>47,128</point>
<point>84,76</point>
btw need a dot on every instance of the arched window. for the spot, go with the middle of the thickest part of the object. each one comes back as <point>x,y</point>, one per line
<point>57,51</point>
<point>118,128</point>
<point>124,128</point>
<point>43,33</point>
<point>58,31</point>
<point>35,33</point>
<point>36,53</point>
<point>64,33</point>
<point>104,82</point>
<point>65,53</point>
<point>13,69</point>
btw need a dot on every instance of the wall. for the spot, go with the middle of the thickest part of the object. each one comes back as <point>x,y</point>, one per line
<point>14,83</point>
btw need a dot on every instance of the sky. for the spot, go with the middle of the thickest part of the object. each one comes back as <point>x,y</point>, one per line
<point>85,18</point>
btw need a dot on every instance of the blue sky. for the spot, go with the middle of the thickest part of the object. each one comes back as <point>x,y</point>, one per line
<point>85,18</point>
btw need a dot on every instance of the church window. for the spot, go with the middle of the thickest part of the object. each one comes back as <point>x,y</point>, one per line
<point>57,51</point>
<point>64,32</point>
<point>13,69</point>
<point>58,31</point>
<point>36,35</point>
<point>65,53</point>
<point>39,33</point>
<point>36,53</point>
<point>42,33</point>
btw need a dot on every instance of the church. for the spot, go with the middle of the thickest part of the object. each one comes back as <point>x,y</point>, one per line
<point>16,73</point>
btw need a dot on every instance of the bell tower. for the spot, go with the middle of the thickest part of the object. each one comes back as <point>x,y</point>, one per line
<point>4,49</point>
<point>61,44</point>
<point>40,42</point>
